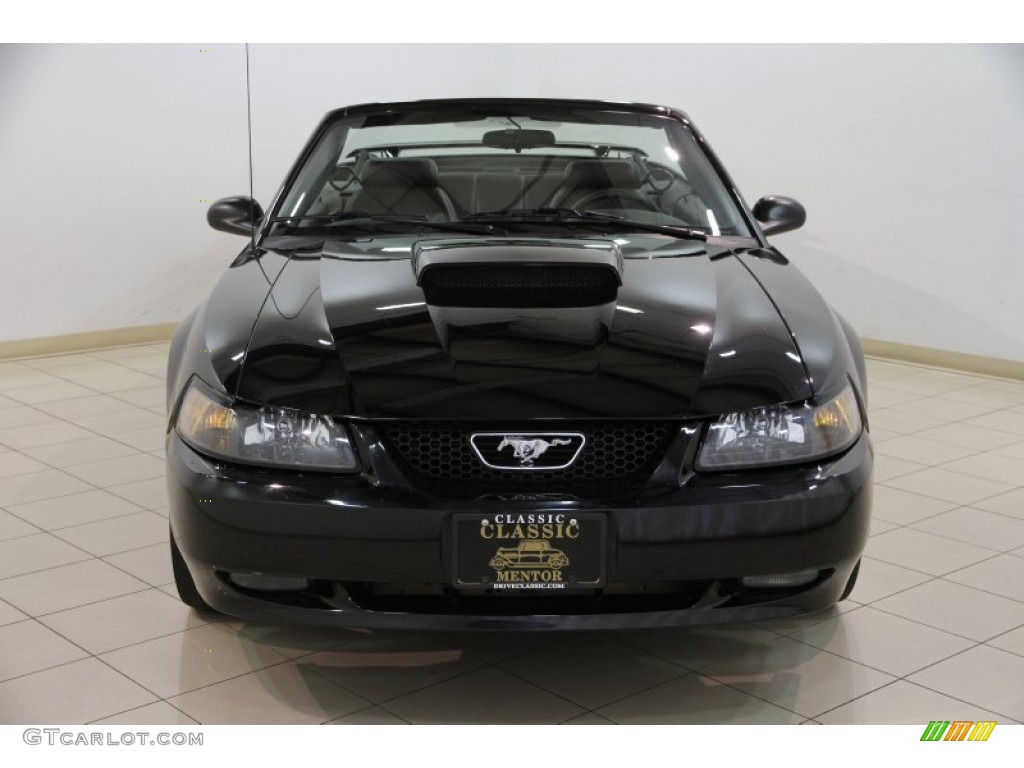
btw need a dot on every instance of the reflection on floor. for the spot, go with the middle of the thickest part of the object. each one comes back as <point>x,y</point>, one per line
<point>90,630</point>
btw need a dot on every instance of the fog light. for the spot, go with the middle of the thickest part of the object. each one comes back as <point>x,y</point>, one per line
<point>263,583</point>
<point>779,580</point>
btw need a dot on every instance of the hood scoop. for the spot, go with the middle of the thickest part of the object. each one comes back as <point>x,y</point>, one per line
<point>520,274</point>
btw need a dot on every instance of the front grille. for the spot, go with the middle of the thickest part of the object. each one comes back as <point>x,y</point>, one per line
<point>617,455</point>
<point>519,285</point>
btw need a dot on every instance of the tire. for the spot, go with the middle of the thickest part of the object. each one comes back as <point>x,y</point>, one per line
<point>851,583</point>
<point>184,582</point>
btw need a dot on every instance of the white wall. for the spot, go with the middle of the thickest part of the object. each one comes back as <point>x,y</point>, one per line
<point>908,159</point>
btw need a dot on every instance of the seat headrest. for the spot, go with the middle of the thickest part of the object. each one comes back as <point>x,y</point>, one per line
<point>602,174</point>
<point>421,172</point>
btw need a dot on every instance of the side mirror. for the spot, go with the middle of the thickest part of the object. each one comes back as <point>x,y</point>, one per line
<point>779,214</point>
<point>234,215</point>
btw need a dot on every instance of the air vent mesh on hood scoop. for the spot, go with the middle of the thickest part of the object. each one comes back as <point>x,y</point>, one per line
<point>519,285</point>
<point>519,274</point>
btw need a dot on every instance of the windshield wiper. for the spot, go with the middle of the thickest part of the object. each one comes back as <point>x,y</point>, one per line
<point>573,217</point>
<point>358,219</point>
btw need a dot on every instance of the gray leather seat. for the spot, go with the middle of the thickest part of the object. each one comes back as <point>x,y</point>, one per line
<point>403,187</point>
<point>604,184</point>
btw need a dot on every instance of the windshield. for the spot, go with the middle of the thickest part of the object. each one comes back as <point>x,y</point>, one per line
<point>522,166</point>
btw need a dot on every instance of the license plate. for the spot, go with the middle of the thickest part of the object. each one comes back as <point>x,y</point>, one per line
<point>510,552</point>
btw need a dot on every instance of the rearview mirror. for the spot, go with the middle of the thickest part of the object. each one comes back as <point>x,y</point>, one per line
<point>778,214</point>
<point>235,215</point>
<point>518,139</point>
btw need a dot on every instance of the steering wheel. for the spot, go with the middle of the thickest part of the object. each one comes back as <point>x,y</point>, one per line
<point>342,179</point>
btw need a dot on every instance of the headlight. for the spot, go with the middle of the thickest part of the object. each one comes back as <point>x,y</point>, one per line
<point>280,437</point>
<point>781,434</point>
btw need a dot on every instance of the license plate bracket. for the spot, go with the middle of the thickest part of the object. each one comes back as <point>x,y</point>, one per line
<point>512,552</point>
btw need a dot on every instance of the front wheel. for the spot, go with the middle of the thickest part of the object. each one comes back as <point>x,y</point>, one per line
<point>184,582</point>
<point>852,582</point>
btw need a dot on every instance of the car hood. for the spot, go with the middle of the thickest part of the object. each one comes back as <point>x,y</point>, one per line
<point>688,333</point>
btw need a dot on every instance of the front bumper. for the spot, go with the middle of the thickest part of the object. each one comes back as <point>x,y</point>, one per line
<point>379,555</point>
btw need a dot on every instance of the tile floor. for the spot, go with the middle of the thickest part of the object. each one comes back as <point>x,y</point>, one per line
<point>90,630</point>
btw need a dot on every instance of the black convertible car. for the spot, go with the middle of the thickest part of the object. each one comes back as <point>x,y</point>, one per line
<point>492,364</point>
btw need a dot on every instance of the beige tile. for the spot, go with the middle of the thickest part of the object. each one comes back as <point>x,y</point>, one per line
<point>28,647</point>
<point>946,409</point>
<point>86,407</point>
<point>883,397</point>
<point>68,586</point>
<point>1015,450</point>
<point>36,552</point>
<point>123,469</point>
<point>17,376</point>
<point>13,463</point>
<point>949,486</point>
<point>157,713</point>
<point>123,621</point>
<point>47,484</point>
<point>79,451</point>
<point>968,436</point>
<point>151,494</point>
<point>119,534</point>
<point>61,364</point>
<point>1001,575</point>
<point>895,420</point>
<point>119,354</point>
<point>1010,641</point>
<point>566,669</point>
<point>383,669</point>
<point>883,641</point>
<point>696,700</point>
<point>369,716</point>
<point>975,526</point>
<point>46,393</point>
<point>696,647</point>
<point>797,677</point>
<point>146,397</point>
<point>129,420</point>
<point>903,703</point>
<point>294,642</point>
<point>989,393</point>
<point>192,659</point>
<point>286,694</point>
<point>9,614</point>
<point>992,466</point>
<point>496,646</point>
<point>74,509</point>
<point>955,608</point>
<point>144,439</point>
<point>72,694</point>
<point>155,366</point>
<point>878,525</point>
<point>15,416</point>
<point>881,370</point>
<point>904,507</point>
<point>150,564</point>
<point>925,384</point>
<point>1010,503</point>
<point>791,624</point>
<point>878,579</point>
<point>986,677</point>
<point>12,527</point>
<point>1003,420</point>
<point>488,695</point>
<point>46,433</point>
<point>887,467</point>
<point>913,448</point>
<point>115,380</point>
<point>924,552</point>
<point>590,718</point>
